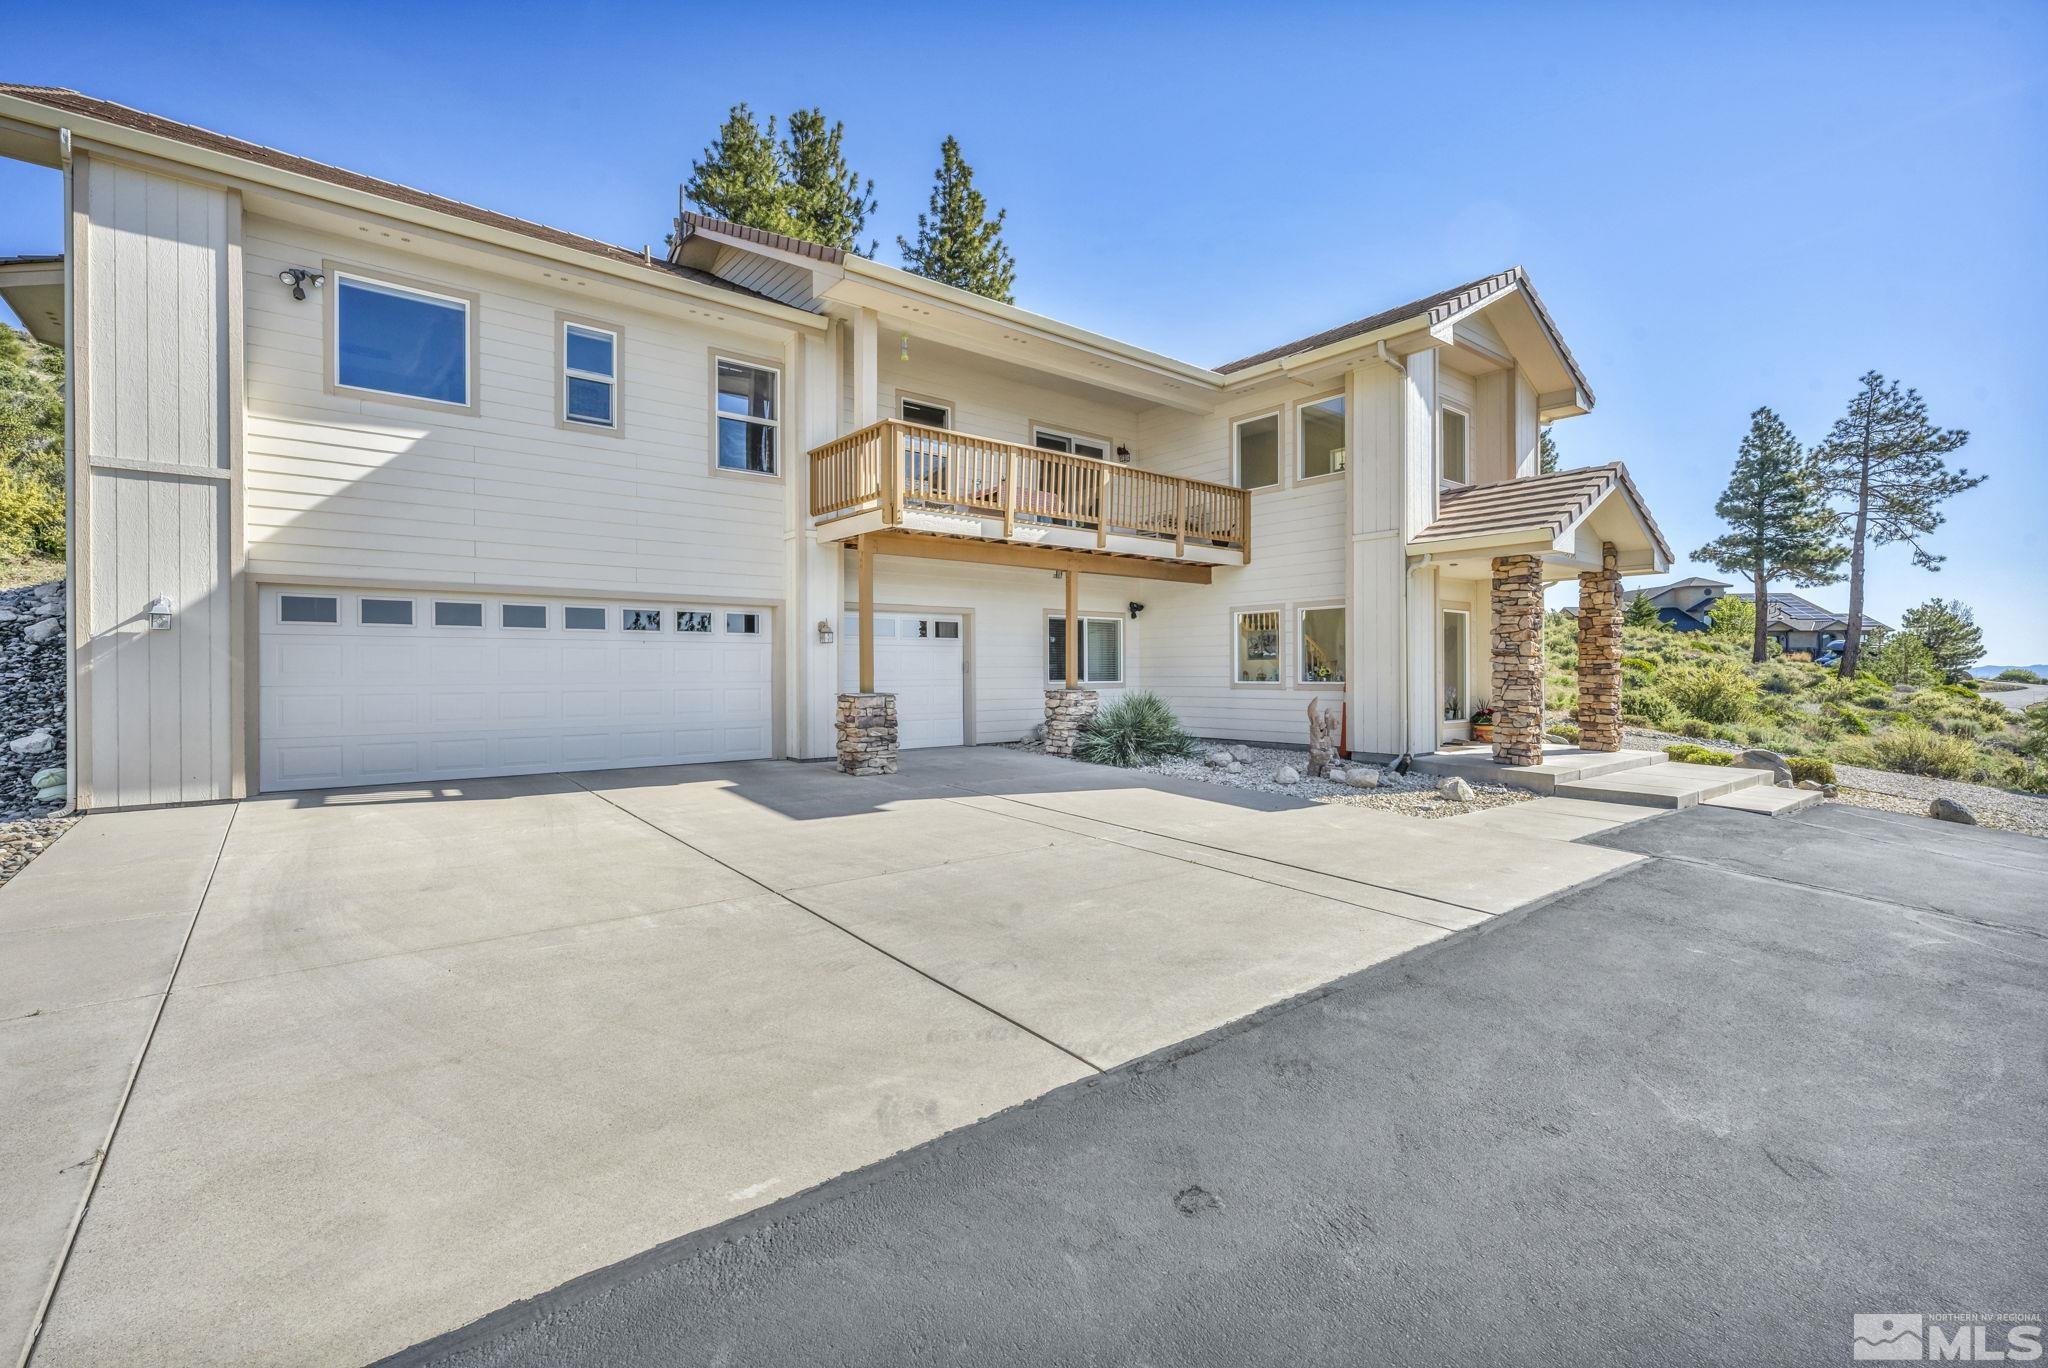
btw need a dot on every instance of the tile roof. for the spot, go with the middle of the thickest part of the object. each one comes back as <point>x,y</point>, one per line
<point>72,102</point>
<point>1554,502</point>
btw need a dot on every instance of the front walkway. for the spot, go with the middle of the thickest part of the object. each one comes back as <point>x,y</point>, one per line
<point>424,1051</point>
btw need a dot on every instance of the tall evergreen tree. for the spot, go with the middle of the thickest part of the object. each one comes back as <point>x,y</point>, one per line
<point>1951,632</point>
<point>823,200</point>
<point>957,242</point>
<point>1884,458</point>
<point>740,176</point>
<point>1640,612</point>
<point>1546,452</point>
<point>31,447</point>
<point>1779,522</point>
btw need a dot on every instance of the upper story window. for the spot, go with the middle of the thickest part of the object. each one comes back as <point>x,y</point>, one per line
<point>1046,439</point>
<point>590,375</point>
<point>1322,436</point>
<point>1255,458</point>
<point>1457,441</point>
<point>749,414</point>
<point>389,339</point>
<point>926,414</point>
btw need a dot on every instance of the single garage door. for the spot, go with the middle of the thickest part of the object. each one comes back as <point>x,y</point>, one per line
<point>384,687</point>
<point>920,658</point>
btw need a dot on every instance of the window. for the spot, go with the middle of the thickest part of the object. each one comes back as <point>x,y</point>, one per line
<point>1256,444</point>
<point>1322,436</point>
<point>1322,645</point>
<point>590,375</point>
<point>940,629</point>
<point>1102,650</point>
<point>742,624</point>
<point>640,619</point>
<point>409,343</point>
<point>1258,647</point>
<point>927,414</point>
<point>1045,439</point>
<point>689,620</point>
<point>748,414</point>
<point>381,612</point>
<point>458,615</point>
<point>1456,427</point>
<point>308,608</point>
<point>524,616</point>
<point>583,619</point>
<point>1457,704</point>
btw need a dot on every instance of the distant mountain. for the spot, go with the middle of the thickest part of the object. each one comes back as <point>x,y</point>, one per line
<point>1991,671</point>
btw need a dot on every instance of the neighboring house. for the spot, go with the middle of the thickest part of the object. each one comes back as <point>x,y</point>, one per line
<point>1684,605</point>
<point>373,486</point>
<point>1799,624</point>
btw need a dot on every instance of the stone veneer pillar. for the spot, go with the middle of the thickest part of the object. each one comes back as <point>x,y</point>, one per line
<point>867,733</point>
<point>1600,655</point>
<point>1066,712</point>
<point>1517,660</point>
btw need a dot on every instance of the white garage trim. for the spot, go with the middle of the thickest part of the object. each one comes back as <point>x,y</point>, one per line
<point>263,612</point>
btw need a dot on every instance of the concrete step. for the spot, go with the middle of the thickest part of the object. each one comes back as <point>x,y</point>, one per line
<point>1672,784</point>
<point>1560,764</point>
<point>1768,802</point>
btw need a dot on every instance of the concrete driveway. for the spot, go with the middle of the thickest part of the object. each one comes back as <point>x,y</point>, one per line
<point>407,1055</point>
<point>1779,1074</point>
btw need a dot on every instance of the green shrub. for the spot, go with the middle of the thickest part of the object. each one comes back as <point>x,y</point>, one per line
<point>1564,731</point>
<point>2009,676</point>
<point>1650,708</point>
<point>1729,734</point>
<point>1852,721</point>
<point>1692,726</point>
<point>1916,750</point>
<point>1134,730</point>
<point>1647,665</point>
<point>1698,755</point>
<point>31,516</point>
<point>1719,693</point>
<point>1805,767</point>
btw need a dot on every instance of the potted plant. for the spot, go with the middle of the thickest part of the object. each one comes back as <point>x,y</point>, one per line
<point>1482,725</point>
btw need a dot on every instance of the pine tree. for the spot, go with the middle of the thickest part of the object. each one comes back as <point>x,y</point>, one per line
<point>1546,453</point>
<point>1641,612</point>
<point>740,178</point>
<point>31,447</point>
<point>1951,633</point>
<point>1779,523</point>
<point>957,242</point>
<point>1884,458</point>
<point>823,200</point>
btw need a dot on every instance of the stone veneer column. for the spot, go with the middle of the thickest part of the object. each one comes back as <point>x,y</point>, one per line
<point>1517,660</point>
<point>1066,712</point>
<point>867,733</point>
<point>1600,655</point>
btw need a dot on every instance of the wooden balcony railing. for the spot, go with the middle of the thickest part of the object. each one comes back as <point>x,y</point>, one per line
<point>893,465</point>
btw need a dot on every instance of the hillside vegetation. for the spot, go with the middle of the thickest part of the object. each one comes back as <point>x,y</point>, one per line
<point>1702,685</point>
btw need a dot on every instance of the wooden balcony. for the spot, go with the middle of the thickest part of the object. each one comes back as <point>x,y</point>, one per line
<point>897,477</point>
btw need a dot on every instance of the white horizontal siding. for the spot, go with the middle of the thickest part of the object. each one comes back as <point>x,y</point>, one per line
<point>340,486</point>
<point>989,400</point>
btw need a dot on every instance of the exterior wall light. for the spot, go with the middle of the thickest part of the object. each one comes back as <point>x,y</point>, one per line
<point>904,353</point>
<point>160,611</point>
<point>824,632</point>
<point>299,277</point>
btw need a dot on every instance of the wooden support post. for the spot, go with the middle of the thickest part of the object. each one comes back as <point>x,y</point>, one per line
<point>1180,517</point>
<point>893,459</point>
<point>1009,494</point>
<point>1102,508</point>
<point>864,552</point>
<point>1073,629</point>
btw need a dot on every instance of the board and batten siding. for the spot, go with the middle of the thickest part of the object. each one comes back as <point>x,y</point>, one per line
<point>153,304</point>
<point>344,486</point>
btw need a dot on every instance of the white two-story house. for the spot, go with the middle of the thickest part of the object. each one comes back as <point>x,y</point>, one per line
<point>371,486</point>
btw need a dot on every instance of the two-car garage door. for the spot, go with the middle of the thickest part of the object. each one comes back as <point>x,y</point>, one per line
<point>386,686</point>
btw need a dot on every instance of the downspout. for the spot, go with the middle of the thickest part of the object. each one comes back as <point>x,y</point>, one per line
<point>73,651</point>
<point>1404,758</point>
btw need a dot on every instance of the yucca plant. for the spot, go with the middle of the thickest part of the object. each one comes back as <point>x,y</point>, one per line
<point>1135,730</point>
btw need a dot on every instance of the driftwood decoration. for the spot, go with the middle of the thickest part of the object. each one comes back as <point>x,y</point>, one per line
<point>1323,726</point>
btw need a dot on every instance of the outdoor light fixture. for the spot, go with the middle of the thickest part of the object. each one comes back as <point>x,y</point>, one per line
<point>1136,608</point>
<point>160,612</point>
<point>904,354</point>
<point>298,277</point>
<point>824,632</point>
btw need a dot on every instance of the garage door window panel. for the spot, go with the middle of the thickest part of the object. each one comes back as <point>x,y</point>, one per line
<point>384,612</point>
<point>455,613</point>
<point>524,617</point>
<point>308,608</point>
<point>577,618</point>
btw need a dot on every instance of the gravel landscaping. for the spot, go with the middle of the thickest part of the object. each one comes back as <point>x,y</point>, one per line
<point>2025,813</point>
<point>31,723</point>
<point>1255,768</point>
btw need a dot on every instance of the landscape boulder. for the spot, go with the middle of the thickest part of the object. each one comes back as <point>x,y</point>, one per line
<point>1781,773</point>
<point>41,630</point>
<point>1360,777</point>
<point>1286,774</point>
<point>1949,810</point>
<point>1455,790</point>
<point>37,742</point>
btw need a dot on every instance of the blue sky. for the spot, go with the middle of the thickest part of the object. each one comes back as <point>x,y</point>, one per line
<point>1724,206</point>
